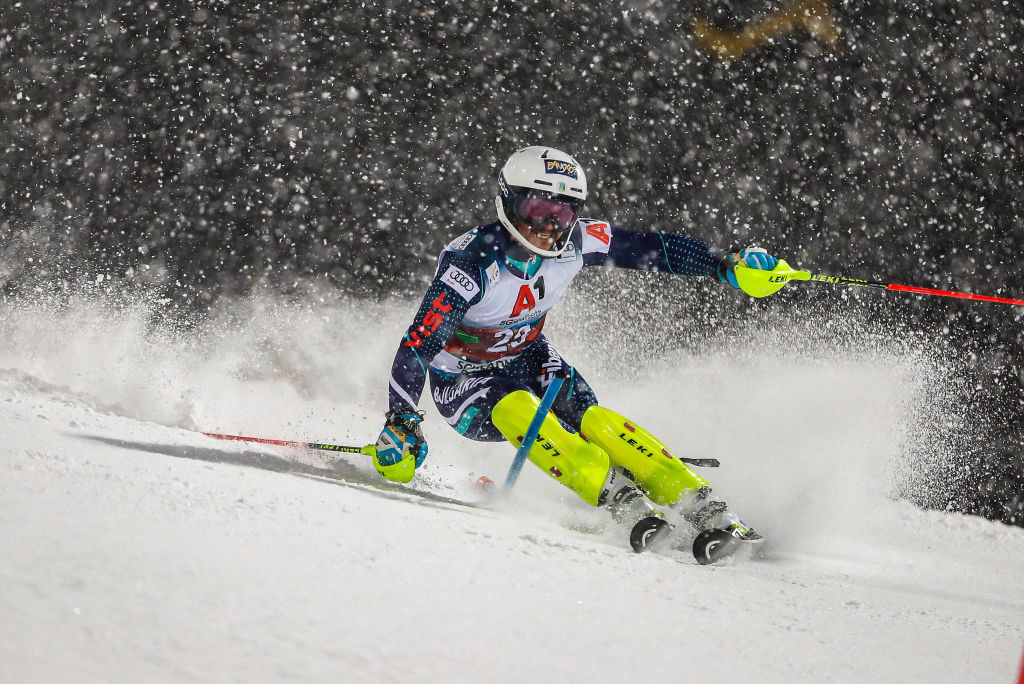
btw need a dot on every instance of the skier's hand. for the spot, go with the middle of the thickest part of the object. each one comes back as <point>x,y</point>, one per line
<point>401,446</point>
<point>752,257</point>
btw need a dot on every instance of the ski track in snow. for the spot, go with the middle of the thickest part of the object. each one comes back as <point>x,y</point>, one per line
<point>134,549</point>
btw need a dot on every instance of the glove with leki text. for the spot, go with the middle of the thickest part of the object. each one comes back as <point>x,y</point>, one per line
<point>751,257</point>
<point>401,447</point>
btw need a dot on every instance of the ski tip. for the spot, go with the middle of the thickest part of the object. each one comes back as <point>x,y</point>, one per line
<point>711,546</point>
<point>646,532</point>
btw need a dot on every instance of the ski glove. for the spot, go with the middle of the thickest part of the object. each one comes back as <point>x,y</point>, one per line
<point>401,447</point>
<point>753,257</point>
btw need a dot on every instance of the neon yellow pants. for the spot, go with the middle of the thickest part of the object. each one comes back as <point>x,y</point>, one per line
<point>583,464</point>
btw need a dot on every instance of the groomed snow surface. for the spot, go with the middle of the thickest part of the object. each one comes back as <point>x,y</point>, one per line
<point>134,549</point>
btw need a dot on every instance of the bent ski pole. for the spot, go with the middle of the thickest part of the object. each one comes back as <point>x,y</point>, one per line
<point>367,450</point>
<point>531,433</point>
<point>757,283</point>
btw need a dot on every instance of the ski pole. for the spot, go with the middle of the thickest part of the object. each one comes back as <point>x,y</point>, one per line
<point>534,428</point>
<point>367,450</point>
<point>757,283</point>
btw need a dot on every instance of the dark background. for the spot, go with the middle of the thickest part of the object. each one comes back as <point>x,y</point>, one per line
<point>201,149</point>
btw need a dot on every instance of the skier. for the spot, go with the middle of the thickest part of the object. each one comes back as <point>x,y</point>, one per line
<point>478,336</point>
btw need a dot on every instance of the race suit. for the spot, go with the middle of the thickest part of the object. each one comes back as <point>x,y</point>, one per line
<point>478,332</point>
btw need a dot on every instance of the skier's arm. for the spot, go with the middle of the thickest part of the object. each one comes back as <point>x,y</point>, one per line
<point>401,447</point>
<point>671,252</point>
<point>456,286</point>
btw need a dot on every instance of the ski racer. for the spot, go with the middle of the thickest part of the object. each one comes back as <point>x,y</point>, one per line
<point>478,336</point>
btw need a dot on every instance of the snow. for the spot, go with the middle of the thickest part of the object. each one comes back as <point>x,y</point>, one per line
<point>133,548</point>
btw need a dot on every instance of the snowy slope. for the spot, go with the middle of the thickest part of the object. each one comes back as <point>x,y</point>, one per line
<point>134,549</point>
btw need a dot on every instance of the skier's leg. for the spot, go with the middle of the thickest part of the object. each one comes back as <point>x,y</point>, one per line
<point>645,459</point>
<point>576,463</point>
<point>667,480</point>
<point>495,407</point>
<point>564,455</point>
<point>465,402</point>
<point>501,405</point>
<point>559,450</point>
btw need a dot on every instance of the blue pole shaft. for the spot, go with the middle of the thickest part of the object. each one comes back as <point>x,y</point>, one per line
<point>531,433</point>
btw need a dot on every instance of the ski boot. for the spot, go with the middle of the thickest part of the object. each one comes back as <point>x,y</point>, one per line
<point>720,532</point>
<point>628,505</point>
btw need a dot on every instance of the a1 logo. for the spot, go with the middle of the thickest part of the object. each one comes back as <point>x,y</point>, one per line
<point>524,301</point>
<point>600,232</point>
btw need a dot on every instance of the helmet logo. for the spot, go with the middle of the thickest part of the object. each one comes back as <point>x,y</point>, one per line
<point>560,167</point>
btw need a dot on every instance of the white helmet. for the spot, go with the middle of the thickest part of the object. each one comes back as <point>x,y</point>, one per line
<point>543,188</point>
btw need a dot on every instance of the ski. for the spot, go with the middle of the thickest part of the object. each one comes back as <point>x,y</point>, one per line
<point>649,533</point>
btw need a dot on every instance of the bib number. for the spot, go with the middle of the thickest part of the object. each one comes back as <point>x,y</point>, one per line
<point>509,339</point>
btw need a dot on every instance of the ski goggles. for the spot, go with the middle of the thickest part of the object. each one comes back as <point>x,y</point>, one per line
<point>541,210</point>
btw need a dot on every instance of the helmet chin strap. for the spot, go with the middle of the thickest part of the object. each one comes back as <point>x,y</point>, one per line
<point>534,249</point>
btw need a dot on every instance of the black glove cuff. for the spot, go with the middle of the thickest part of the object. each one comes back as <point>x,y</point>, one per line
<point>408,421</point>
<point>725,263</point>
